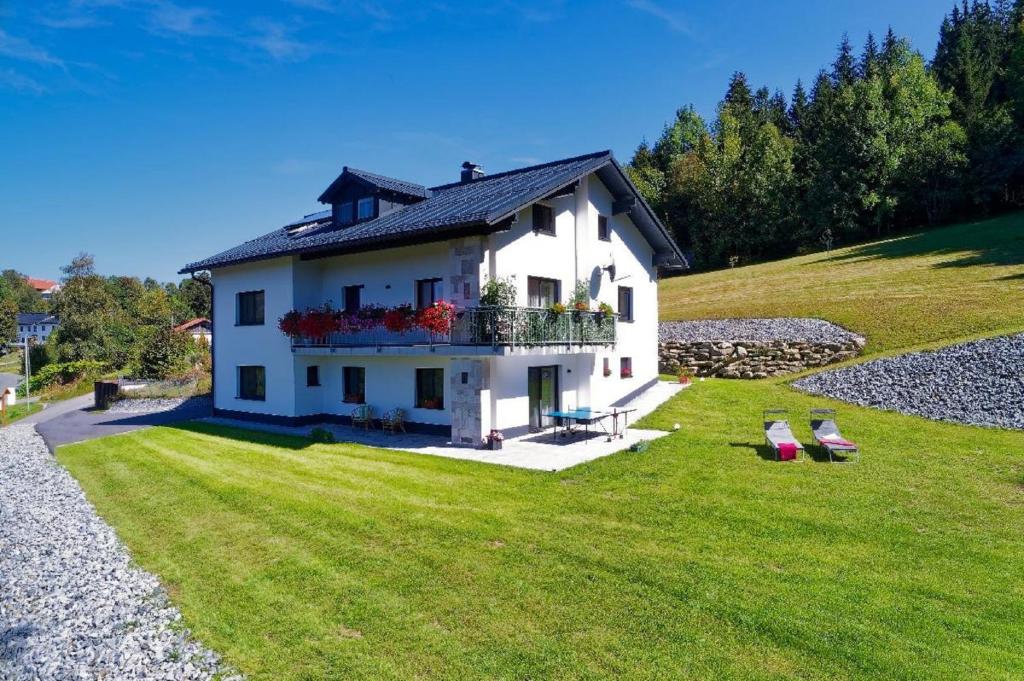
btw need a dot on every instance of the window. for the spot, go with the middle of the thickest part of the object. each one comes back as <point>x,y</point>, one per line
<point>345,213</point>
<point>252,383</point>
<point>366,208</point>
<point>428,292</point>
<point>625,304</point>
<point>607,366</point>
<point>250,308</point>
<point>430,388</point>
<point>354,384</point>
<point>313,376</point>
<point>352,295</point>
<point>543,219</point>
<point>603,232</point>
<point>542,292</point>
<point>626,367</point>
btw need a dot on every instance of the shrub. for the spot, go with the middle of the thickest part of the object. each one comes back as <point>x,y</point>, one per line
<point>498,292</point>
<point>64,373</point>
<point>322,435</point>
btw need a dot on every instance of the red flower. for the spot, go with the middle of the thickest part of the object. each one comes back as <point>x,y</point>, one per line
<point>436,318</point>
<point>289,324</point>
<point>318,322</point>
<point>399,319</point>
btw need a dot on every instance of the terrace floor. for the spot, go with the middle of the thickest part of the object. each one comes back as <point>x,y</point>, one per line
<point>537,451</point>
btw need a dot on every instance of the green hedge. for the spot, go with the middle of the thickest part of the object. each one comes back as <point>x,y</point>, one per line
<point>66,372</point>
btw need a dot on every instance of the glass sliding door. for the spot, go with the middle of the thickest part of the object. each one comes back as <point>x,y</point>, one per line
<point>542,385</point>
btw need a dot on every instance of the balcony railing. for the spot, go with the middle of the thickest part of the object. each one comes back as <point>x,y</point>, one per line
<point>488,326</point>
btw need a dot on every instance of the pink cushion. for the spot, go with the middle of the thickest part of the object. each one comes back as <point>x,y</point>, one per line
<point>787,451</point>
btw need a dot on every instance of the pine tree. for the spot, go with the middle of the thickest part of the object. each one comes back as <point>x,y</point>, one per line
<point>798,109</point>
<point>868,67</point>
<point>844,70</point>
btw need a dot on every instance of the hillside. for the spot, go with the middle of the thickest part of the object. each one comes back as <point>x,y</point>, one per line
<point>947,284</point>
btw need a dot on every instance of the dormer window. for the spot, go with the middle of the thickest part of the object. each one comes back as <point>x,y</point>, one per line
<point>345,213</point>
<point>366,208</point>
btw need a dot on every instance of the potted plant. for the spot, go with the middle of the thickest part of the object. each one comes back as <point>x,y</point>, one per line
<point>494,439</point>
<point>684,376</point>
<point>437,318</point>
<point>604,310</point>
<point>556,309</point>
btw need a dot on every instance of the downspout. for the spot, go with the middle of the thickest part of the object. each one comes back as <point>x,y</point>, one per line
<point>213,355</point>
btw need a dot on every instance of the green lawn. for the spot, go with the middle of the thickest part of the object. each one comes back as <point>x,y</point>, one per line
<point>696,559</point>
<point>20,411</point>
<point>938,286</point>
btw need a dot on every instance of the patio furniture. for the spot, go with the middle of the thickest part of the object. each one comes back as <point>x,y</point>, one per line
<point>585,416</point>
<point>393,421</point>
<point>779,436</point>
<point>826,434</point>
<point>362,416</point>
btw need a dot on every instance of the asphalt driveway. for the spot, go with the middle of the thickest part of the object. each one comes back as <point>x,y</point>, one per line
<point>75,420</point>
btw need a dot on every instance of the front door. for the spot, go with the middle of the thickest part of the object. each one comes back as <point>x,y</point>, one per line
<point>542,385</point>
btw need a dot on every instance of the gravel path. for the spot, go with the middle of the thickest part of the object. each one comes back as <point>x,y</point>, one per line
<point>776,329</point>
<point>72,605</point>
<point>979,383</point>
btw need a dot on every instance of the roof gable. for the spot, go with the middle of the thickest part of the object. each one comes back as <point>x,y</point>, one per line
<point>372,180</point>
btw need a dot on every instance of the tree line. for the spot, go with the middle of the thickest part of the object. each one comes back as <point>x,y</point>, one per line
<point>121,323</point>
<point>883,141</point>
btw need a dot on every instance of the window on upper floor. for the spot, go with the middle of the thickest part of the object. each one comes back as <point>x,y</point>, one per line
<point>353,385</point>
<point>430,388</point>
<point>625,304</point>
<point>252,383</point>
<point>428,292</point>
<point>604,232</point>
<point>365,208</point>
<point>249,310</point>
<point>352,296</point>
<point>542,292</point>
<point>345,215</point>
<point>543,219</point>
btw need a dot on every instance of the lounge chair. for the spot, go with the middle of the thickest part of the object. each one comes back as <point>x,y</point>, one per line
<point>779,436</point>
<point>393,421</point>
<point>826,434</point>
<point>362,416</point>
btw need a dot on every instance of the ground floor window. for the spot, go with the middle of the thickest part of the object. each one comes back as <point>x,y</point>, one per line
<point>354,384</point>
<point>252,383</point>
<point>626,367</point>
<point>313,376</point>
<point>430,388</point>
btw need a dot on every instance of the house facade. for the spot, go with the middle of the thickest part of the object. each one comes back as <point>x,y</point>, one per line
<point>36,326</point>
<point>200,327</point>
<point>558,233</point>
<point>46,287</point>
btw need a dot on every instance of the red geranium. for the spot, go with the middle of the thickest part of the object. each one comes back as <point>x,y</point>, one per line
<point>437,318</point>
<point>289,324</point>
<point>399,319</point>
<point>318,322</point>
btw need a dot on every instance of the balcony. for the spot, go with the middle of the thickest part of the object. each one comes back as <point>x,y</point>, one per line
<point>508,327</point>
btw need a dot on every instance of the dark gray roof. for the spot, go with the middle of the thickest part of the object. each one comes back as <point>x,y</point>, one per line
<point>479,206</point>
<point>37,318</point>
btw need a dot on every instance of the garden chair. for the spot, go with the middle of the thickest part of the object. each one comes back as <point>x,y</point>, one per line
<point>826,434</point>
<point>779,436</point>
<point>393,421</point>
<point>362,416</point>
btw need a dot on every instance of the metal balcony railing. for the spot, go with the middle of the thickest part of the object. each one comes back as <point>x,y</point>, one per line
<point>483,326</point>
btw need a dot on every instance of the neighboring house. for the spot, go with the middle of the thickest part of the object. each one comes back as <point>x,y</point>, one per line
<point>46,287</point>
<point>200,327</point>
<point>36,326</point>
<point>389,242</point>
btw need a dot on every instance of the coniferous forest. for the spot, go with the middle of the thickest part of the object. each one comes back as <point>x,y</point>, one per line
<point>882,141</point>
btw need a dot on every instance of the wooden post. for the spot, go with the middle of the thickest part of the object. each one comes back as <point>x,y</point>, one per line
<point>3,408</point>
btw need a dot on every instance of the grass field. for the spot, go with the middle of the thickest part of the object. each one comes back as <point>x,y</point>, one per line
<point>943,285</point>
<point>696,559</point>
<point>20,411</point>
<point>11,363</point>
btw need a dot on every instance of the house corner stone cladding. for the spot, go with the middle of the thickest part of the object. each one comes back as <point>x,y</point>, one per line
<point>465,402</point>
<point>466,256</point>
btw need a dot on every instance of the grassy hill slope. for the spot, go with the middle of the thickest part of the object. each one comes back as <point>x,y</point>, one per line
<point>958,282</point>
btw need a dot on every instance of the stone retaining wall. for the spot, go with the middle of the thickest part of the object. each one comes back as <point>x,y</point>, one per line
<point>751,359</point>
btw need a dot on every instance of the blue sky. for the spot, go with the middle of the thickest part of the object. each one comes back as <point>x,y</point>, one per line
<point>152,133</point>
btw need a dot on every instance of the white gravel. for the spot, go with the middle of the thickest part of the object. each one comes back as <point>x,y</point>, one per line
<point>979,383</point>
<point>769,329</point>
<point>150,405</point>
<point>72,605</point>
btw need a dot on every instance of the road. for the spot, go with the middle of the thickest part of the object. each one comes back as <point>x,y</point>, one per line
<point>9,380</point>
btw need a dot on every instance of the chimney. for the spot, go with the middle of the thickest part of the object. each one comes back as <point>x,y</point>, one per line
<point>470,172</point>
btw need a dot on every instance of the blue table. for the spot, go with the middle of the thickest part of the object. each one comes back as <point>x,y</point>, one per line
<point>585,416</point>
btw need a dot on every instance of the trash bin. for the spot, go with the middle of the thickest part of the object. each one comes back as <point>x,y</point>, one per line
<point>103,393</point>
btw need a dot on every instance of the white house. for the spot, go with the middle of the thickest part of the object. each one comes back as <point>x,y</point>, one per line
<point>200,327</point>
<point>36,326</point>
<point>388,242</point>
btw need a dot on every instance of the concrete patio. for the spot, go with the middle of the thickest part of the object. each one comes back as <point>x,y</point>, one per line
<point>536,451</point>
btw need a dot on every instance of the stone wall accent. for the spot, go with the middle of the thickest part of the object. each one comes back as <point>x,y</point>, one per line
<point>467,379</point>
<point>751,359</point>
<point>465,259</point>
